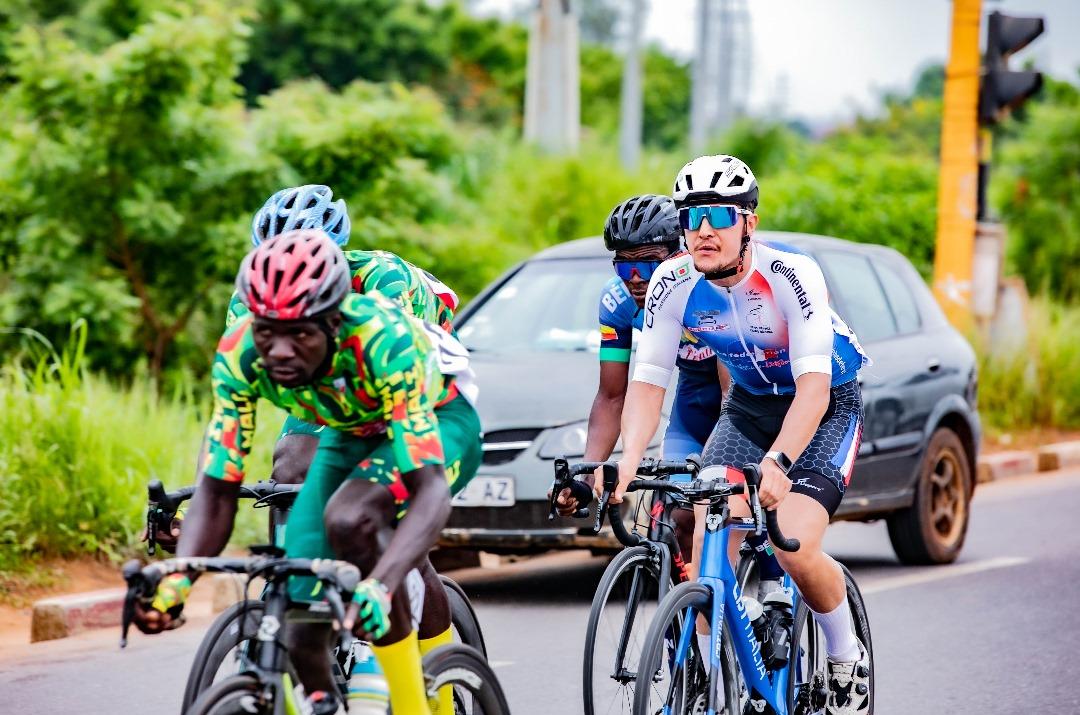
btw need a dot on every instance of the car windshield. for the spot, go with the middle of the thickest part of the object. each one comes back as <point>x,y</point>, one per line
<point>547,306</point>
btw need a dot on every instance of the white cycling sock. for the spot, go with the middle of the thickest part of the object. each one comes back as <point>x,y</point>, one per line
<point>703,648</point>
<point>840,642</point>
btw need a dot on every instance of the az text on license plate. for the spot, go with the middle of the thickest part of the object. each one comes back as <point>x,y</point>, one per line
<point>487,491</point>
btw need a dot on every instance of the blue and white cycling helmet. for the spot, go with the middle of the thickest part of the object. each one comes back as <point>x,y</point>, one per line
<point>299,207</point>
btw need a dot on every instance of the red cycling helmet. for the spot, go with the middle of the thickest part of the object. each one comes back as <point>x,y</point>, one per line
<point>296,275</point>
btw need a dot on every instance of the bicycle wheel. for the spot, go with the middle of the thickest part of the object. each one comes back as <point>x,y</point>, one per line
<point>476,689</point>
<point>238,695</point>
<point>808,677</point>
<point>225,649</point>
<point>463,617</point>
<point>624,604</point>
<point>681,688</point>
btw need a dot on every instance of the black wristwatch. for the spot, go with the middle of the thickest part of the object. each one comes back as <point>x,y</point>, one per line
<point>781,459</point>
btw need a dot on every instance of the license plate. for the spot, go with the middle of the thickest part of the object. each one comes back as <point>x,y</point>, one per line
<point>487,491</point>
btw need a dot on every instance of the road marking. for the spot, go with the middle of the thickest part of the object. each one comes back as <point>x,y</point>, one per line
<point>500,663</point>
<point>938,573</point>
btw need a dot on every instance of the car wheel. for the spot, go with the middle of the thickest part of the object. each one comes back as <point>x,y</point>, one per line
<point>932,530</point>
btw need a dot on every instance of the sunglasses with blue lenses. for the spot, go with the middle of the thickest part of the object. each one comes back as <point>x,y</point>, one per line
<point>627,269</point>
<point>690,218</point>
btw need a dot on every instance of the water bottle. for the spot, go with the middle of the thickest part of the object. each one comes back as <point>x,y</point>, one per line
<point>756,615</point>
<point>368,691</point>
<point>778,617</point>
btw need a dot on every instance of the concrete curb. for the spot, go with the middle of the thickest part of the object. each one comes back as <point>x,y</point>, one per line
<point>1005,465</point>
<point>64,616</point>
<point>1058,456</point>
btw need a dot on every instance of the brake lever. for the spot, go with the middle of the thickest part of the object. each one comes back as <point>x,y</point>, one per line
<point>151,527</point>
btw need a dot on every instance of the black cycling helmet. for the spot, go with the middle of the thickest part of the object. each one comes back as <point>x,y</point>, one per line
<point>644,220</point>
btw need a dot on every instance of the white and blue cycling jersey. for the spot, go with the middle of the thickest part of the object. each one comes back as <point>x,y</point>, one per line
<point>770,328</point>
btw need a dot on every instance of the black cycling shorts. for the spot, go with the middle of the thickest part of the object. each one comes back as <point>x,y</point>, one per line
<point>750,423</point>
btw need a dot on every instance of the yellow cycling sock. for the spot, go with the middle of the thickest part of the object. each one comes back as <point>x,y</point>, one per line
<point>444,703</point>
<point>401,664</point>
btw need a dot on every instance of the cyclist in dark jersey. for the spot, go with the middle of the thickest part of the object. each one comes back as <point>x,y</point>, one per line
<point>395,395</point>
<point>795,405</point>
<point>644,231</point>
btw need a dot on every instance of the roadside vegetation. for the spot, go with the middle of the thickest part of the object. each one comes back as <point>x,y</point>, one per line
<point>139,136</point>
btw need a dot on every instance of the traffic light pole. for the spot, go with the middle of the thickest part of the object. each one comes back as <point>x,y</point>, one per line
<point>958,178</point>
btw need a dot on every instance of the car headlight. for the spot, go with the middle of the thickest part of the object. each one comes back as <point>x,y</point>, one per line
<point>566,441</point>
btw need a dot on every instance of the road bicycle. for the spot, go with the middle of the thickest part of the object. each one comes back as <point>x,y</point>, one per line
<point>686,681</point>
<point>227,647</point>
<point>633,584</point>
<point>267,685</point>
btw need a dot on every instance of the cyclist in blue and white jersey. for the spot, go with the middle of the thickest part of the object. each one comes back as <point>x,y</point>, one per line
<point>643,231</point>
<point>795,406</point>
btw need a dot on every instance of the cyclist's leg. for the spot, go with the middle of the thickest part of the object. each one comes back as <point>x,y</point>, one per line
<point>308,637</point>
<point>295,450</point>
<point>820,477</point>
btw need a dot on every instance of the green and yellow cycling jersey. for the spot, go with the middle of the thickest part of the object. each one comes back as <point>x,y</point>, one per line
<point>391,276</point>
<point>384,380</point>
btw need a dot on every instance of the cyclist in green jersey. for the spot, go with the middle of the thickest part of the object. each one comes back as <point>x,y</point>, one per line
<point>402,436</point>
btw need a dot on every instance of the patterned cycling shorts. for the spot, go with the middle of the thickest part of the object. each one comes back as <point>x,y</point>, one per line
<point>750,423</point>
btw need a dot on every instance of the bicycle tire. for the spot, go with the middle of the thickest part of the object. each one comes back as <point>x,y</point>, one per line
<point>465,669</point>
<point>653,655</point>
<point>236,695</point>
<point>804,616</point>
<point>639,563</point>
<point>463,616</point>
<point>223,635</point>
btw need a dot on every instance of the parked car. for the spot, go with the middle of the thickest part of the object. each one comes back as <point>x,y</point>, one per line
<point>534,338</point>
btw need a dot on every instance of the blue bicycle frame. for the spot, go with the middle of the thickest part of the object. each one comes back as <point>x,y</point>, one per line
<point>727,610</point>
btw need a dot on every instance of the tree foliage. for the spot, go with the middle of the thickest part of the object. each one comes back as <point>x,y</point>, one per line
<point>1035,180</point>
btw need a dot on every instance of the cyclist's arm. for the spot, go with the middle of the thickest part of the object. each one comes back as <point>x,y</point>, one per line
<point>228,439</point>
<point>804,416</point>
<point>606,413</point>
<point>725,377</point>
<point>616,340</point>
<point>209,522</point>
<point>810,336</point>
<point>413,431</point>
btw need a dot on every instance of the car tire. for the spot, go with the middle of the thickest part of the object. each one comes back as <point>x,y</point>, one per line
<point>932,530</point>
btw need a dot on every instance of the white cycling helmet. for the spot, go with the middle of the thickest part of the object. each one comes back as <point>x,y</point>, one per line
<point>716,178</point>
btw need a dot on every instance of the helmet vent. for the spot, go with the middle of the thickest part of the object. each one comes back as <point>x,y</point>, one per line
<point>689,182</point>
<point>737,181</point>
<point>715,179</point>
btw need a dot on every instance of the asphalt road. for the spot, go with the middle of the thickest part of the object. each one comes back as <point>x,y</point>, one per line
<point>993,633</point>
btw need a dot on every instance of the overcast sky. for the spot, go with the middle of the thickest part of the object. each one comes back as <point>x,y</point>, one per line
<point>835,56</point>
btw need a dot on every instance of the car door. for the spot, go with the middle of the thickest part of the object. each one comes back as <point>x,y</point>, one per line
<point>892,431</point>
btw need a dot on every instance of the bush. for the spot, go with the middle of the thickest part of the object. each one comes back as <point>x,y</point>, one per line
<point>76,452</point>
<point>1036,385</point>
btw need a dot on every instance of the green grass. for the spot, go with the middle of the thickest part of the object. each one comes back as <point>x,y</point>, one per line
<point>76,452</point>
<point>1036,384</point>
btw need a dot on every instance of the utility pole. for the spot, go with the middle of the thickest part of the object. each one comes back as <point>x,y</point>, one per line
<point>958,178</point>
<point>630,113</point>
<point>552,86</point>
<point>724,58</point>
<point>699,82</point>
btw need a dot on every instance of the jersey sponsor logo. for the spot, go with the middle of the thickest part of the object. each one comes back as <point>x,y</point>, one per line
<point>664,284</point>
<point>778,266</point>
<point>613,299</point>
<point>695,354</point>
<point>755,321</point>
<point>805,482</point>
<point>608,333</point>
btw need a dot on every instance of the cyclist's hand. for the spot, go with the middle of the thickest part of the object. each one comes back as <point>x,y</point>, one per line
<point>167,539</point>
<point>627,474</point>
<point>565,503</point>
<point>165,612</point>
<point>369,613</point>
<point>775,485</point>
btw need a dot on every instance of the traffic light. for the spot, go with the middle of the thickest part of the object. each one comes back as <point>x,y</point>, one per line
<point>1004,89</point>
